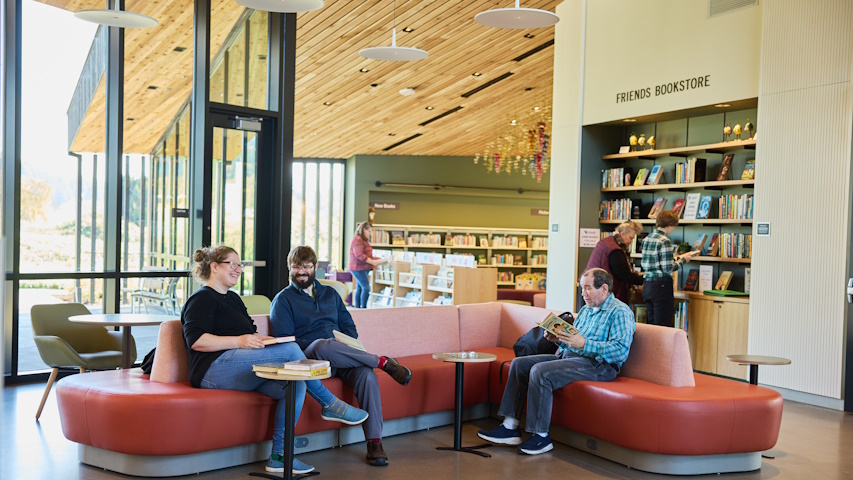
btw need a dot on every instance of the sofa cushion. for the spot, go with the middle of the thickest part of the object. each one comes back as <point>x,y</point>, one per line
<point>390,331</point>
<point>479,325</point>
<point>660,355</point>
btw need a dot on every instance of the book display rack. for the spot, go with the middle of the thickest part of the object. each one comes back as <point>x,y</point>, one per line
<point>402,284</point>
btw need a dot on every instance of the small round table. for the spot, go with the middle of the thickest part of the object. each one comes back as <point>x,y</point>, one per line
<point>457,410</point>
<point>289,422</point>
<point>754,361</point>
<point>125,321</point>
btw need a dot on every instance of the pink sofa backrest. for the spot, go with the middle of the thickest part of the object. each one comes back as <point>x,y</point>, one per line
<point>496,323</point>
<point>170,361</point>
<point>404,331</point>
<point>660,355</point>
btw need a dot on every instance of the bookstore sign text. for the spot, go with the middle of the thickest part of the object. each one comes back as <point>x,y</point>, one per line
<point>676,86</point>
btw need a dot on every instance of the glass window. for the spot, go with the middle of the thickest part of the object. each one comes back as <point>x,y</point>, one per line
<point>317,208</point>
<point>258,34</point>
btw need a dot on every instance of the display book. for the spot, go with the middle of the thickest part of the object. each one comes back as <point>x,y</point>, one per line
<point>347,340</point>
<point>554,325</point>
<point>274,340</point>
<point>301,368</point>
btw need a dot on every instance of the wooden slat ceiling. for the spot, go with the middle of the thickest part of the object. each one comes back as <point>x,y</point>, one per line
<point>360,119</point>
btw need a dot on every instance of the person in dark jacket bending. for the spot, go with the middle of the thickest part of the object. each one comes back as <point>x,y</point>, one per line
<point>613,254</point>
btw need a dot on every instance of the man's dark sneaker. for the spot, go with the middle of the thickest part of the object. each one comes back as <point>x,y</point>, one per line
<point>501,435</point>
<point>536,444</point>
<point>399,373</point>
<point>376,455</point>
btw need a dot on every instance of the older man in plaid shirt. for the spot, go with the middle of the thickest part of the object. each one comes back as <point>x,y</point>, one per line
<point>605,331</point>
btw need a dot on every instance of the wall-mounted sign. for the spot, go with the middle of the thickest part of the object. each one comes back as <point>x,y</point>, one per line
<point>589,237</point>
<point>667,88</point>
<point>539,212</point>
<point>181,212</point>
<point>762,229</point>
<point>385,205</point>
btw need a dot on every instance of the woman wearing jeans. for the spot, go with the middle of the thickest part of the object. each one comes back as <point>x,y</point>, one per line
<point>223,346</point>
<point>362,261</point>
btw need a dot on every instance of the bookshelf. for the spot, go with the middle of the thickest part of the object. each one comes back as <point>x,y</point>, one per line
<point>383,284</point>
<point>409,291</point>
<point>460,285</point>
<point>510,251</point>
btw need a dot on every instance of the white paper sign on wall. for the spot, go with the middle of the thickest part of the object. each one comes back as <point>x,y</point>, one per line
<point>589,237</point>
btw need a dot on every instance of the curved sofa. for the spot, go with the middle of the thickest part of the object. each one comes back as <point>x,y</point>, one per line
<point>657,416</point>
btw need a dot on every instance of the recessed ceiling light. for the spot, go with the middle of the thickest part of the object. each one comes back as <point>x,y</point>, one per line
<point>430,108</point>
<point>152,87</point>
<point>529,35</point>
<point>535,109</point>
<point>392,134</point>
<point>313,134</point>
<point>528,89</point>
<point>327,103</point>
<point>408,29</point>
<point>407,91</point>
<point>179,49</point>
<point>364,70</point>
<point>374,85</point>
<point>477,74</point>
<point>630,120</point>
<point>512,122</point>
<point>722,105</point>
<point>130,119</point>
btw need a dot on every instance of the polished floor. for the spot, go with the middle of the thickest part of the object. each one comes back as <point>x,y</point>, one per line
<point>814,444</point>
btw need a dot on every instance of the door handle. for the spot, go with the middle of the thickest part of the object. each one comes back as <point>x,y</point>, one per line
<point>850,290</point>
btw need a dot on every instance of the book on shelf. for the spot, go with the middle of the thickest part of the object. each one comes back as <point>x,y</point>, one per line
<point>748,170</point>
<point>642,176</point>
<point>638,242</point>
<point>697,170</point>
<point>660,202</point>
<point>347,340</point>
<point>691,206</point>
<point>306,364</point>
<point>678,207</point>
<point>714,246</point>
<point>640,315</point>
<point>700,242</point>
<point>655,175</point>
<point>725,167</point>
<point>274,340</point>
<point>692,281</point>
<point>704,207</point>
<point>484,242</point>
<point>706,276</point>
<point>724,280</point>
<point>397,237</point>
<point>555,324</point>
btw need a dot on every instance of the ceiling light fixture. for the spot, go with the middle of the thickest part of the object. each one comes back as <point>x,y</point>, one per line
<point>407,91</point>
<point>327,103</point>
<point>722,105</point>
<point>394,53</point>
<point>282,6</point>
<point>477,74</point>
<point>630,120</point>
<point>116,18</point>
<point>364,70</point>
<point>518,18</point>
<point>430,108</point>
<point>408,29</point>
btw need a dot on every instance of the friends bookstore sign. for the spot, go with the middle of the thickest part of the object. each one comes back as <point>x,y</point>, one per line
<point>676,86</point>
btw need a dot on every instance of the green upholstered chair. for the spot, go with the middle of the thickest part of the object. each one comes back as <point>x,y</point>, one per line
<point>257,304</point>
<point>339,287</point>
<point>62,343</point>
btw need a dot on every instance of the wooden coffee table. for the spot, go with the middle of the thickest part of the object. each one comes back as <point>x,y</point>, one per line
<point>754,361</point>
<point>457,419</point>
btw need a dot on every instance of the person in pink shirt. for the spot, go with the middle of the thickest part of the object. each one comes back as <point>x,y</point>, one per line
<point>361,262</point>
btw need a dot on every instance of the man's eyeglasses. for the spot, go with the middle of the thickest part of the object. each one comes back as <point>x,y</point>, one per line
<point>235,265</point>
<point>303,268</point>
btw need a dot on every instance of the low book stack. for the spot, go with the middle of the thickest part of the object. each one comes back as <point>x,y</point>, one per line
<point>305,368</point>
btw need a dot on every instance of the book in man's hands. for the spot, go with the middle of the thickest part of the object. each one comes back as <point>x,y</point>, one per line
<point>554,324</point>
<point>274,340</point>
<point>347,340</point>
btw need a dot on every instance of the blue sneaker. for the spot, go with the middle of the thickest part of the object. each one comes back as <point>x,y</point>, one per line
<point>536,444</point>
<point>340,411</point>
<point>501,435</point>
<point>276,465</point>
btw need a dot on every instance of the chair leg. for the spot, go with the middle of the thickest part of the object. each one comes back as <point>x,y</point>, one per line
<point>82,370</point>
<point>50,381</point>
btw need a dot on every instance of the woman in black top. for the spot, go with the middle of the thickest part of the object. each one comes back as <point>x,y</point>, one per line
<point>224,344</point>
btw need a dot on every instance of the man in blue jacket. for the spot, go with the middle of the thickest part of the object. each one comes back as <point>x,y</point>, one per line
<point>311,312</point>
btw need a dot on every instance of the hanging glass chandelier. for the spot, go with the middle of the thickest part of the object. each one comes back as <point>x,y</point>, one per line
<point>523,146</point>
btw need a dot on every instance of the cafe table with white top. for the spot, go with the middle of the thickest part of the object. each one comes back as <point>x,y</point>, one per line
<point>125,321</point>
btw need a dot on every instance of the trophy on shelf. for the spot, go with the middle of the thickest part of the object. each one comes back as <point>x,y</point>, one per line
<point>632,140</point>
<point>651,142</point>
<point>727,131</point>
<point>748,128</point>
<point>738,130</point>
<point>641,141</point>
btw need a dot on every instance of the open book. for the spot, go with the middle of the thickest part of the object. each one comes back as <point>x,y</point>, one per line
<point>274,340</point>
<point>554,324</point>
<point>347,340</point>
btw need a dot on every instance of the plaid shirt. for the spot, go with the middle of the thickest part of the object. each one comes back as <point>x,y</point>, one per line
<point>608,330</point>
<point>658,261</point>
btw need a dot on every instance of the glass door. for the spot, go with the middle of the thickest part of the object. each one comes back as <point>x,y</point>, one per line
<point>234,191</point>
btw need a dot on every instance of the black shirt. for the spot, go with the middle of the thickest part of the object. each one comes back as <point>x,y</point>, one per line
<point>208,311</point>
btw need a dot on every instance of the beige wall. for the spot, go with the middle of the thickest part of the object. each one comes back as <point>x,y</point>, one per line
<point>632,45</point>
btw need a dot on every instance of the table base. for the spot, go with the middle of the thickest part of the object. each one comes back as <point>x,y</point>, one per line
<point>469,449</point>
<point>277,477</point>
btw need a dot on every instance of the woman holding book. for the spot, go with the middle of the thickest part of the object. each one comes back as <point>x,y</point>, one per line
<point>361,262</point>
<point>658,263</point>
<point>224,344</point>
<point>613,254</point>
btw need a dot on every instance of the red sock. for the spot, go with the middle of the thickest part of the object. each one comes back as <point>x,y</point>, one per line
<point>374,440</point>
<point>382,362</point>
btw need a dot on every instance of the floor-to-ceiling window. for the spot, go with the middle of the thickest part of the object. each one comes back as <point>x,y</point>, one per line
<point>318,206</point>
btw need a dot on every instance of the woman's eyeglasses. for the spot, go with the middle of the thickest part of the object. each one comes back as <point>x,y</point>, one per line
<point>235,265</point>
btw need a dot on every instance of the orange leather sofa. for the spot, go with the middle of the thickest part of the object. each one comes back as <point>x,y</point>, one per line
<point>657,416</point>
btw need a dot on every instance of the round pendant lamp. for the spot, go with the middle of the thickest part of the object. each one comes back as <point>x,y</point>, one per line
<point>394,53</point>
<point>116,18</point>
<point>283,6</point>
<point>518,18</point>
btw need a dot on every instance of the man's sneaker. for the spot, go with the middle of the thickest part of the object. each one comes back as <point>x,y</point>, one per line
<point>276,465</point>
<point>536,444</point>
<point>340,411</point>
<point>501,435</point>
<point>399,373</point>
<point>376,454</point>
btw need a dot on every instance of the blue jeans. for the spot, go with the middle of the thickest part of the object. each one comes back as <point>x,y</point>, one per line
<point>233,371</point>
<point>362,290</point>
<point>534,378</point>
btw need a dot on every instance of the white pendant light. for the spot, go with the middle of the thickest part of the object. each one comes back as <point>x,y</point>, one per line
<point>283,6</point>
<point>519,18</point>
<point>116,18</point>
<point>394,53</point>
